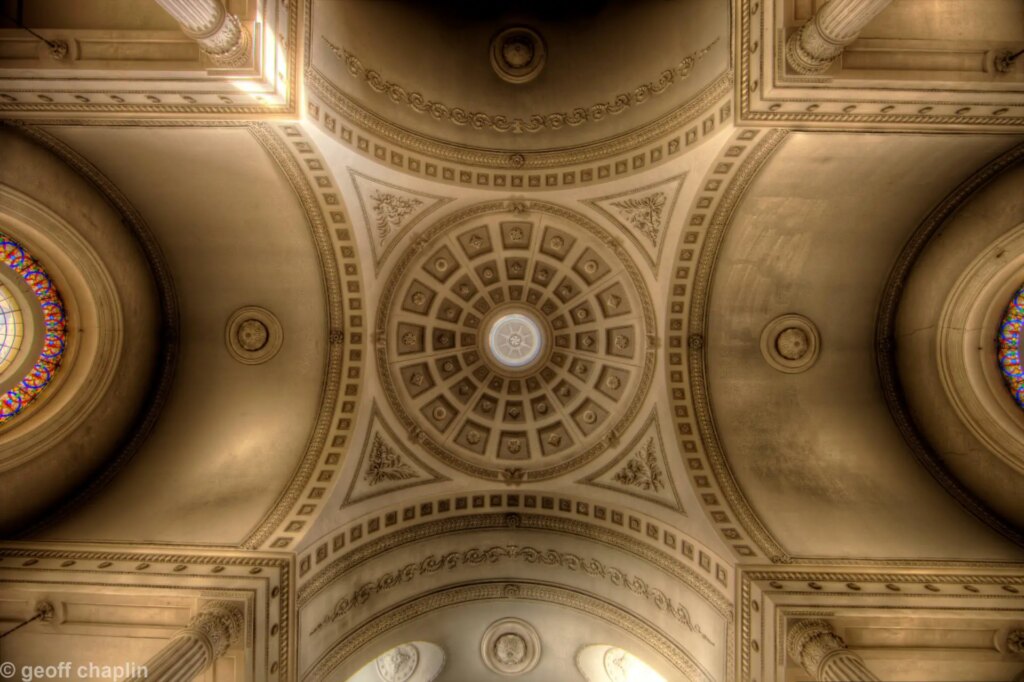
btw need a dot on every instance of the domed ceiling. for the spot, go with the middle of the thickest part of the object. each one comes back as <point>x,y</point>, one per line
<point>517,340</point>
<point>525,76</point>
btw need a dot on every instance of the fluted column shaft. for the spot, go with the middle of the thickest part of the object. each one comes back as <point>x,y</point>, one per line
<point>219,33</point>
<point>823,654</point>
<point>191,651</point>
<point>814,47</point>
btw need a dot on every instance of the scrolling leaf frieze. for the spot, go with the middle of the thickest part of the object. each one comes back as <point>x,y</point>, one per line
<point>475,557</point>
<point>513,124</point>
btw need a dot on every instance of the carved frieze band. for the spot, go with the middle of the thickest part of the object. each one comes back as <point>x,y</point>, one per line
<point>720,193</point>
<point>534,520</point>
<point>494,555</point>
<point>514,124</point>
<point>367,134</point>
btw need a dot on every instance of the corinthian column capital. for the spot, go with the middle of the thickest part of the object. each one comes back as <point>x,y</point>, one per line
<point>193,650</point>
<point>815,645</point>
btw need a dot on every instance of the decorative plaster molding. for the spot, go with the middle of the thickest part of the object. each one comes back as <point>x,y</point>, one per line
<point>687,558</point>
<point>791,343</point>
<point>363,633</point>
<point>644,214</point>
<point>305,170</point>
<point>819,590</point>
<point>443,426</point>
<point>390,212</point>
<point>720,193</point>
<point>212,92</point>
<point>509,124</point>
<point>376,139</point>
<point>253,335</point>
<point>510,646</point>
<point>385,466</point>
<point>767,95</point>
<point>641,470</point>
<point>496,554</point>
<point>261,580</point>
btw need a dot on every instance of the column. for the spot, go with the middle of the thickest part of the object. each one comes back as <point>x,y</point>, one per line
<point>823,654</point>
<point>209,634</point>
<point>219,34</point>
<point>814,47</point>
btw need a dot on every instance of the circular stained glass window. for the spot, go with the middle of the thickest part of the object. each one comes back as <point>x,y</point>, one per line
<point>1010,347</point>
<point>21,265</point>
<point>12,328</point>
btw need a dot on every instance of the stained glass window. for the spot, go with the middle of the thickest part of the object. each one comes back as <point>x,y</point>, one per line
<point>12,328</point>
<point>39,376</point>
<point>1010,347</point>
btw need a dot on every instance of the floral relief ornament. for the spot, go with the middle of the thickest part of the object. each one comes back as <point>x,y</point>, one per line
<point>391,210</point>
<point>642,470</point>
<point>643,213</point>
<point>386,464</point>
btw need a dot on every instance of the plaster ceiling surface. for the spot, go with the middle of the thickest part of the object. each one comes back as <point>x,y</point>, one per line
<point>230,434</point>
<point>588,89</point>
<point>817,453</point>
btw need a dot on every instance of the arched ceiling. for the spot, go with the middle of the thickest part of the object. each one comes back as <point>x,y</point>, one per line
<point>442,87</point>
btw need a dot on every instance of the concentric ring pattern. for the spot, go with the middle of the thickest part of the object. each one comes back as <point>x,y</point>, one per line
<point>1010,347</point>
<point>14,256</point>
<point>553,266</point>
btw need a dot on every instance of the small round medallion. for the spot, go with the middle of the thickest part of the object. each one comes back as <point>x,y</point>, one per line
<point>517,54</point>
<point>790,343</point>
<point>510,647</point>
<point>253,335</point>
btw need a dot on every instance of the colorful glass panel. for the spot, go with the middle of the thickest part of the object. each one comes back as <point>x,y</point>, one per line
<point>12,328</point>
<point>1010,347</point>
<point>39,376</point>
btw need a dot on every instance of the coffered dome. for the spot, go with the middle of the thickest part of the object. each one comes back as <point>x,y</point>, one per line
<point>513,340</point>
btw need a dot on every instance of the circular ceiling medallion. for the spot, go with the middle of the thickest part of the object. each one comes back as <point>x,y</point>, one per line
<point>515,342</point>
<point>1010,347</point>
<point>510,647</point>
<point>517,54</point>
<point>790,343</point>
<point>253,335</point>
